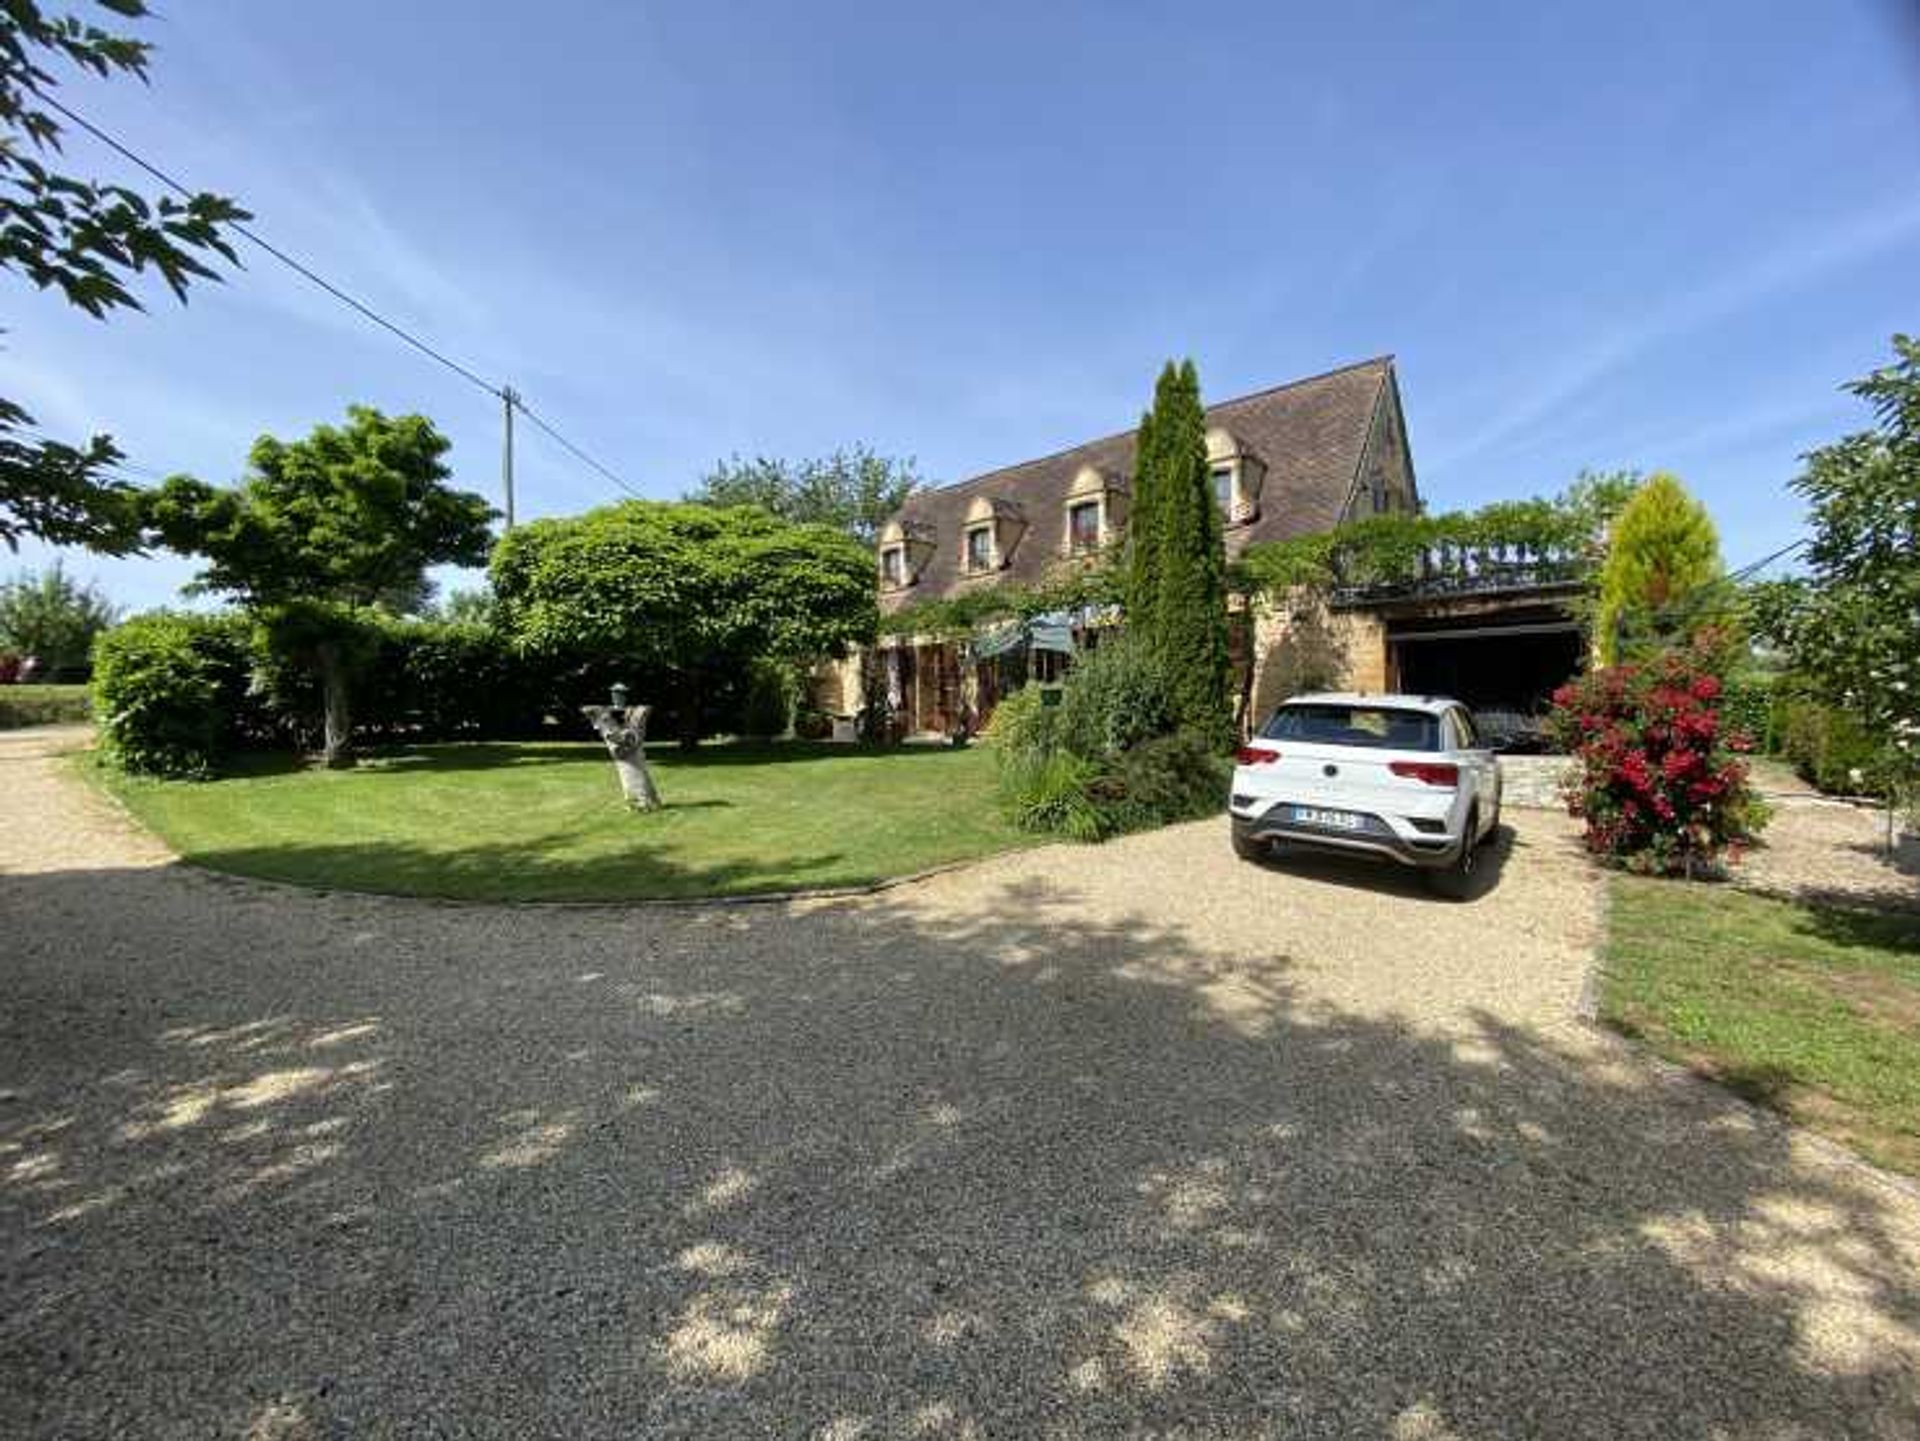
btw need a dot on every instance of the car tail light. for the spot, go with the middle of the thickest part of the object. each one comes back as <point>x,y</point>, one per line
<point>1254,756</point>
<point>1433,773</point>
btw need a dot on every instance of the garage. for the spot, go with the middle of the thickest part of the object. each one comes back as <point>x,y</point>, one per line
<point>1504,656</point>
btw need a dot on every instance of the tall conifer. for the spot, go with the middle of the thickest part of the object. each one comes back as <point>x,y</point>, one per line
<point>1176,578</point>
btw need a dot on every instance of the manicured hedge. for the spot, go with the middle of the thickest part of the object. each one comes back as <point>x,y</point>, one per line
<point>172,693</point>
<point>41,705</point>
<point>176,692</point>
<point>1829,748</point>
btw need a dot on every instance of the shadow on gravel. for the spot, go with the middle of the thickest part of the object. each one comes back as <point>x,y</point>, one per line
<point>535,868</point>
<point>309,1166</point>
<point>1378,875</point>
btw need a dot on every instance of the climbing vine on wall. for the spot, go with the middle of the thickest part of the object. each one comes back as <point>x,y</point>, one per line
<point>1562,538</point>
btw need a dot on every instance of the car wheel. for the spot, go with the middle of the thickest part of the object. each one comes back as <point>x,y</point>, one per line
<point>1248,848</point>
<point>1455,880</point>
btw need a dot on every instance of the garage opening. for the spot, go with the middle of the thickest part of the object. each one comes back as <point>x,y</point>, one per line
<point>1506,670</point>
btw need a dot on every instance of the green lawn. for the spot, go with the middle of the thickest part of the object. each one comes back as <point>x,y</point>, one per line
<point>41,705</point>
<point>1812,1010</point>
<point>546,821</point>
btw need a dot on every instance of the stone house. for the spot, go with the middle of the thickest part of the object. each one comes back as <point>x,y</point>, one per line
<point>1291,460</point>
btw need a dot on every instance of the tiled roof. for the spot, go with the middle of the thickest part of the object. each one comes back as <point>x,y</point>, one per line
<point>1311,434</point>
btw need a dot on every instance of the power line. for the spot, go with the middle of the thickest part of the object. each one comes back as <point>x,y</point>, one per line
<point>574,450</point>
<point>505,394</point>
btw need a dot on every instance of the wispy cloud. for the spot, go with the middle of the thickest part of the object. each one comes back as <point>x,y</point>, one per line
<point>1800,261</point>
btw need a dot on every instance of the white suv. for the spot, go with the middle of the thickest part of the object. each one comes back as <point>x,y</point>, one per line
<point>1399,777</point>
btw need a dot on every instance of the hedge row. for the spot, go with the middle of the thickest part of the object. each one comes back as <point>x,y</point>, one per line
<point>175,693</point>
<point>41,705</point>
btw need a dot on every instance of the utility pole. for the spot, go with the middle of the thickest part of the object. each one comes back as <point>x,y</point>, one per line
<point>509,397</point>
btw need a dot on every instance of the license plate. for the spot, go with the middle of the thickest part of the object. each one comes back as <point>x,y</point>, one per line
<point>1338,820</point>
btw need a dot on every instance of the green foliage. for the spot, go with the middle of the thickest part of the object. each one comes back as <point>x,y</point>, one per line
<point>52,617</point>
<point>321,531</point>
<point>351,514</point>
<point>1116,696</point>
<point>1560,537</point>
<point>171,692</point>
<point>1168,778</point>
<point>695,593</point>
<point>42,705</point>
<point>1107,759</point>
<point>470,604</point>
<point>1051,792</point>
<point>89,242</point>
<point>854,491</point>
<point>769,701</point>
<point>1853,629</point>
<point>1662,581</point>
<point>416,680</point>
<point>1747,703</point>
<point>1831,748</point>
<point>1175,589</point>
<point>1076,587</point>
<point>1023,724</point>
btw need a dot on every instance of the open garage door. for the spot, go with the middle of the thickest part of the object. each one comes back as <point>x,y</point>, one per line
<point>1507,663</point>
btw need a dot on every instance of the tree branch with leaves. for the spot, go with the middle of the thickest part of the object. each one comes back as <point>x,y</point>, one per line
<point>91,242</point>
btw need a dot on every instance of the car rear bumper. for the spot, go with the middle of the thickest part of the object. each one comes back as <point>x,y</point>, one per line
<point>1379,840</point>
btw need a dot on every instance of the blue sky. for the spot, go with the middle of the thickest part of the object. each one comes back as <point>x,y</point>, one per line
<point>1623,235</point>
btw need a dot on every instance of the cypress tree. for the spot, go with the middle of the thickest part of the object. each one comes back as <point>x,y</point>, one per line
<point>1140,592</point>
<point>1190,617</point>
<point>1176,576</point>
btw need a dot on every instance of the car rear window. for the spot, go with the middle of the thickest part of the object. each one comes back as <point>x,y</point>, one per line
<point>1356,725</point>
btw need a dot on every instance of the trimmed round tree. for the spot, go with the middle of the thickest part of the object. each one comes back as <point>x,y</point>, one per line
<point>694,592</point>
<point>321,532</point>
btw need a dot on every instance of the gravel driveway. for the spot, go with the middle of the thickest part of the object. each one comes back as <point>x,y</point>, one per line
<point>1126,1140</point>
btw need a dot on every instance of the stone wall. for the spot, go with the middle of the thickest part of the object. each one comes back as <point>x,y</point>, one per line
<point>1300,645</point>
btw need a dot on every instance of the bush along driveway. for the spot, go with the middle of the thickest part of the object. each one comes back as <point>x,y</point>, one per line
<point>1075,1141</point>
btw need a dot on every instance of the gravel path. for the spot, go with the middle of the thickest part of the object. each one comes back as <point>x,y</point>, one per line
<point>1130,1140</point>
<point>1828,851</point>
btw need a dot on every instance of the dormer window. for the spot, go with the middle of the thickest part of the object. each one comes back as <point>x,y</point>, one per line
<point>893,565</point>
<point>979,548</point>
<point>1083,526</point>
<point>1093,512</point>
<point>1237,474</point>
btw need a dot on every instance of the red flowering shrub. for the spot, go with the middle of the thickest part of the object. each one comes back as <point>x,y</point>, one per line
<point>1660,782</point>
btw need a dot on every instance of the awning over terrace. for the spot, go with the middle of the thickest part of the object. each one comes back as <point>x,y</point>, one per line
<point>1051,631</point>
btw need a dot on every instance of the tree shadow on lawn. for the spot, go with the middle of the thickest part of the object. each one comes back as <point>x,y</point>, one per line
<point>957,1160</point>
<point>457,756</point>
<point>536,868</point>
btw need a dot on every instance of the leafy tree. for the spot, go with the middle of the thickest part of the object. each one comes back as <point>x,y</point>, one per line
<point>851,490</point>
<point>87,240</point>
<point>1176,568</point>
<point>472,605</point>
<point>321,533</point>
<point>1853,627</point>
<point>696,592</point>
<point>52,617</point>
<point>1662,581</point>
